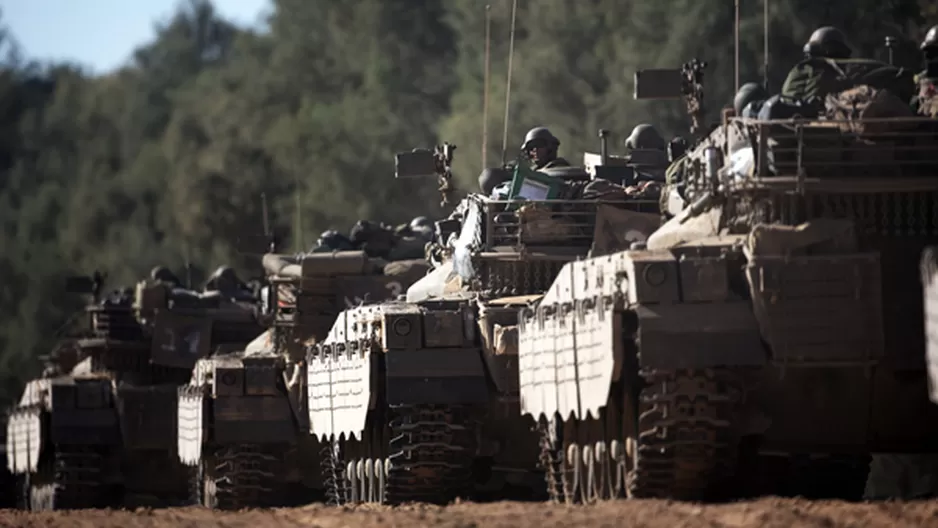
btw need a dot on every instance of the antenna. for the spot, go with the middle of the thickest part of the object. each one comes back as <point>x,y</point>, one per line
<point>273,241</point>
<point>765,44</point>
<point>736,43</point>
<point>511,54</point>
<point>188,266</point>
<point>485,87</point>
<point>265,218</point>
<point>298,214</point>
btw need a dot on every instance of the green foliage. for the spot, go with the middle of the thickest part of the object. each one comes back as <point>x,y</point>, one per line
<point>164,161</point>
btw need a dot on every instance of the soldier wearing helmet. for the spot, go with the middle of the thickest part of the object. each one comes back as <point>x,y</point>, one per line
<point>332,240</point>
<point>540,146</point>
<point>748,100</point>
<point>163,275</point>
<point>646,137</point>
<point>225,281</point>
<point>814,76</point>
<point>829,68</point>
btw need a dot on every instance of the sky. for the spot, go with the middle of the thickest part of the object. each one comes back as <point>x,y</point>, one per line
<point>101,34</point>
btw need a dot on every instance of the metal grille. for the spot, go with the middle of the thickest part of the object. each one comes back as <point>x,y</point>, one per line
<point>506,278</point>
<point>548,223</point>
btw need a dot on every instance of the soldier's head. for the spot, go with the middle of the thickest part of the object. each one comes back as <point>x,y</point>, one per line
<point>748,93</point>
<point>929,45</point>
<point>540,146</point>
<point>828,42</point>
<point>162,274</point>
<point>376,240</point>
<point>224,279</point>
<point>421,222</point>
<point>644,136</point>
<point>334,240</point>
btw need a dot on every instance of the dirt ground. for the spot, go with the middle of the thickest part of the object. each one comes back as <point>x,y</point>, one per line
<point>766,513</point>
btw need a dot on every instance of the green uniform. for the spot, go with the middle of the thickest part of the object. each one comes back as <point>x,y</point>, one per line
<point>816,77</point>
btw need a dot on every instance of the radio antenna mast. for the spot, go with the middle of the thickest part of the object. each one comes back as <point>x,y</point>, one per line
<point>765,44</point>
<point>485,87</point>
<point>736,44</point>
<point>511,53</point>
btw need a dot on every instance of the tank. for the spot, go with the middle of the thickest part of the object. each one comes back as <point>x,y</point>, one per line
<point>779,312</point>
<point>98,427</point>
<point>417,399</point>
<point>8,493</point>
<point>242,416</point>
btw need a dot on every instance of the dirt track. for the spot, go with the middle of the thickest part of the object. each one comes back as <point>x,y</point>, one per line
<point>763,513</point>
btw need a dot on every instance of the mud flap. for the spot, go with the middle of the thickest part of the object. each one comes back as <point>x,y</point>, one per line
<point>24,440</point>
<point>929,271</point>
<point>339,392</point>
<point>190,425</point>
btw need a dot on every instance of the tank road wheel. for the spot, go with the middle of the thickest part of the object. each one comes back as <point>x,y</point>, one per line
<point>421,453</point>
<point>674,438</point>
<point>579,458</point>
<point>686,442</point>
<point>242,476</point>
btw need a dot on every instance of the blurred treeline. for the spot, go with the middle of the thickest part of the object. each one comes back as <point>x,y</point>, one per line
<point>164,161</point>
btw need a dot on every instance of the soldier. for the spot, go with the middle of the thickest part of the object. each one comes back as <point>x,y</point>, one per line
<point>376,240</point>
<point>540,146</point>
<point>815,76</point>
<point>162,274</point>
<point>748,100</point>
<point>651,165</point>
<point>645,136</point>
<point>828,68</point>
<point>226,281</point>
<point>422,227</point>
<point>332,240</point>
<point>926,100</point>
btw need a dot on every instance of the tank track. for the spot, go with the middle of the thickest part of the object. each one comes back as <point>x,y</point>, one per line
<point>71,480</point>
<point>551,459</point>
<point>242,476</point>
<point>422,453</point>
<point>687,437</point>
<point>432,450</point>
<point>685,448</point>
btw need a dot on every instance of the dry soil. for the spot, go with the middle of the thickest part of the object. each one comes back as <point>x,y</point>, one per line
<point>768,513</point>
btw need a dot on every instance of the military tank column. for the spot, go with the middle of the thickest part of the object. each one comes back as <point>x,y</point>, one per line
<point>98,428</point>
<point>417,399</point>
<point>243,421</point>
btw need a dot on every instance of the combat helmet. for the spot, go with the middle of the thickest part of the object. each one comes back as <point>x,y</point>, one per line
<point>828,42</point>
<point>748,93</point>
<point>162,274</point>
<point>539,136</point>
<point>930,42</point>
<point>644,136</point>
<point>332,239</point>
<point>421,222</point>
<point>224,279</point>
